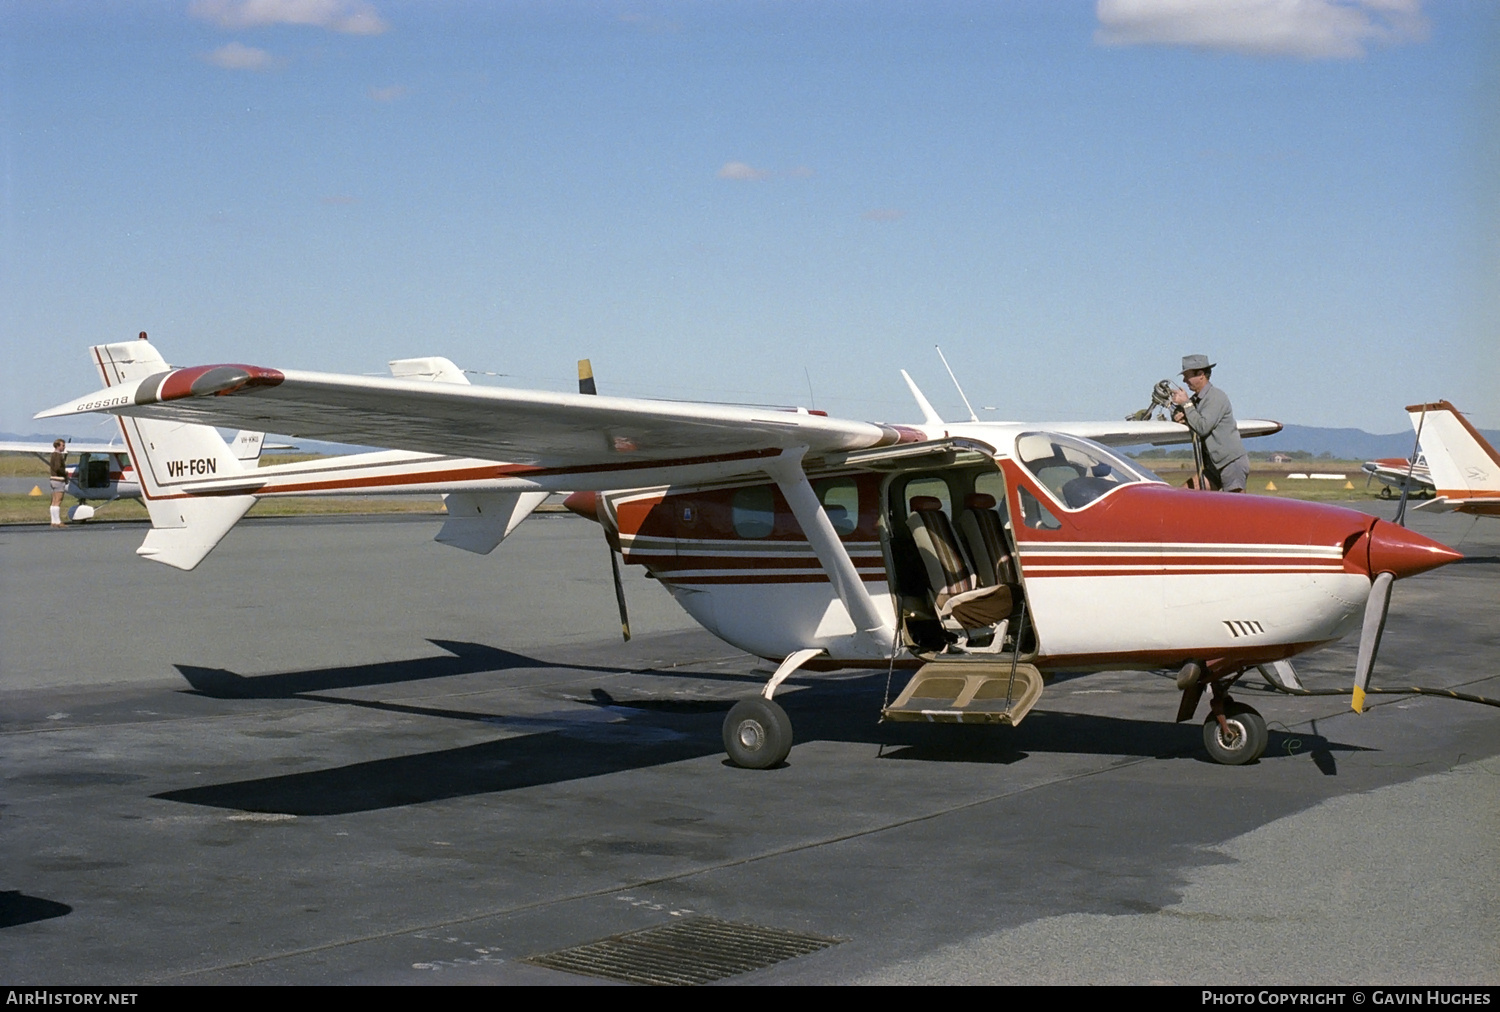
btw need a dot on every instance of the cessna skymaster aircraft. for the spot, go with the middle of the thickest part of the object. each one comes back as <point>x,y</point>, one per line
<point>103,472</point>
<point>981,554</point>
<point>1465,467</point>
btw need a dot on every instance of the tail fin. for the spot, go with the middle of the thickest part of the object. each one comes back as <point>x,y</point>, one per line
<point>1464,465</point>
<point>169,457</point>
<point>247,446</point>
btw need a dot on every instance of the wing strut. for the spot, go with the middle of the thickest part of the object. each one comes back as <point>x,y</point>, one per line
<point>786,471</point>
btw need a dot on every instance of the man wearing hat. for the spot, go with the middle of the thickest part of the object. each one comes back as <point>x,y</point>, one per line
<point>1207,412</point>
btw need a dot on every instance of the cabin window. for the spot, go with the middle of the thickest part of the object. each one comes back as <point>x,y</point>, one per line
<point>992,483</point>
<point>840,499</point>
<point>1034,514</point>
<point>754,512</point>
<point>1075,471</point>
<point>929,486</point>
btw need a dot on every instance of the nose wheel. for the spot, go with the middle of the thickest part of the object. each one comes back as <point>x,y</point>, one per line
<point>1239,738</point>
<point>757,733</point>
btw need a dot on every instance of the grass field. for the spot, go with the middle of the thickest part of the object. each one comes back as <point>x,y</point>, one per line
<point>27,509</point>
<point>32,509</point>
<point>1263,476</point>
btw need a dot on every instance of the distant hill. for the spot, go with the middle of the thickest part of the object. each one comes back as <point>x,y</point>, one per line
<point>1345,444</point>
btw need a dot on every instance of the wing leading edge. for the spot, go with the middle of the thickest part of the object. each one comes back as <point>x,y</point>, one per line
<point>536,428</point>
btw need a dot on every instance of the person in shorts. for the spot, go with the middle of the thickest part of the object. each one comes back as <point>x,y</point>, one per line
<point>1206,410</point>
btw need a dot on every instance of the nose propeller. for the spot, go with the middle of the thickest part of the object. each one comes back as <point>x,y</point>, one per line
<point>1391,553</point>
<point>1369,636</point>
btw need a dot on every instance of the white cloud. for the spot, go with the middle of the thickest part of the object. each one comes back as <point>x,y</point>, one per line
<point>390,94</point>
<point>742,172</point>
<point>1310,29</point>
<point>236,56</point>
<point>353,17</point>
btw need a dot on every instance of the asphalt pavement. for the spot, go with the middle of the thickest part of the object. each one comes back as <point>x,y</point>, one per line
<point>340,753</point>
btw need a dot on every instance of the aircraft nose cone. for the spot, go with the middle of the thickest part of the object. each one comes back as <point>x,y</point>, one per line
<point>1404,553</point>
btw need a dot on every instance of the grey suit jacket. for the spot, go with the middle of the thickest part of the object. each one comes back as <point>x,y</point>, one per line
<point>1209,414</point>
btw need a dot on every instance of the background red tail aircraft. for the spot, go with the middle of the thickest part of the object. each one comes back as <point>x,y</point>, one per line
<point>981,554</point>
<point>1465,468</point>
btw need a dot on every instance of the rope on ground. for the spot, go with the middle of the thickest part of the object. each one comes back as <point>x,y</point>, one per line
<point>1411,690</point>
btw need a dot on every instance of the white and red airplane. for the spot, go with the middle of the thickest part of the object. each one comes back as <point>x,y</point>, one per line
<point>1465,467</point>
<point>981,554</point>
<point>103,471</point>
<point>1397,475</point>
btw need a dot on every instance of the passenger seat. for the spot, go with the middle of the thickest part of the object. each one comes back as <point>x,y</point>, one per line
<point>963,605</point>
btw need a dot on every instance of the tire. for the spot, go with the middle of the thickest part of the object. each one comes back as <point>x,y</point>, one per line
<point>1248,738</point>
<point>757,734</point>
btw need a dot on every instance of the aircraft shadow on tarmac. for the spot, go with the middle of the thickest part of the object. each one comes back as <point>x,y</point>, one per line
<point>18,908</point>
<point>463,659</point>
<point>621,735</point>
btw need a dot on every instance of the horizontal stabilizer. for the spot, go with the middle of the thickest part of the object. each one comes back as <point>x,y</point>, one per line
<point>478,521</point>
<point>184,531</point>
<point>434,369</point>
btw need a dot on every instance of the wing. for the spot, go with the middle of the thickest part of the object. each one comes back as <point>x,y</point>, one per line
<point>1156,433</point>
<point>75,446</point>
<point>538,428</point>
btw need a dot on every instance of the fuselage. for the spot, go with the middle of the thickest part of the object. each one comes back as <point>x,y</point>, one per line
<point>1117,569</point>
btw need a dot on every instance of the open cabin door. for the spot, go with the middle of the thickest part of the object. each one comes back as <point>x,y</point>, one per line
<point>957,590</point>
<point>92,472</point>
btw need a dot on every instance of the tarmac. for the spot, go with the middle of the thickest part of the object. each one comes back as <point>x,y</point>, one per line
<point>340,753</point>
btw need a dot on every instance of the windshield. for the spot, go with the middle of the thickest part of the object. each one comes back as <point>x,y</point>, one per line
<point>1074,470</point>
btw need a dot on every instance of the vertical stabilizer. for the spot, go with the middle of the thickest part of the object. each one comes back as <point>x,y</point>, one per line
<point>1463,463</point>
<point>247,446</point>
<point>929,416</point>
<point>169,458</point>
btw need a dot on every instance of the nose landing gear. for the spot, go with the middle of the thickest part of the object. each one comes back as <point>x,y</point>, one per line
<point>1235,737</point>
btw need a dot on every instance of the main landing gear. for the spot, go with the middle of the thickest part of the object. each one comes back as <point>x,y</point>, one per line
<point>757,732</point>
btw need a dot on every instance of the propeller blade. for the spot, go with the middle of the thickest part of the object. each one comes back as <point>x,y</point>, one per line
<point>586,386</point>
<point>614,565</point>
<point>1369,636</point>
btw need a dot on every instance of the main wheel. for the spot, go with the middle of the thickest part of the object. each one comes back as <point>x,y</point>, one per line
<point>1246,739</point>
<point>757,733</point>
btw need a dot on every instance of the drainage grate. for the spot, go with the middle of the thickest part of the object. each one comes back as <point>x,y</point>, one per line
<point>694,951</point>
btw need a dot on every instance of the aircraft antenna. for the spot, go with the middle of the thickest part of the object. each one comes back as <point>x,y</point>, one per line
<point>972,416</point>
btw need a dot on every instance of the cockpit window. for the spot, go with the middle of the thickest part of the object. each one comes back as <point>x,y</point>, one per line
<point>1075,471</point>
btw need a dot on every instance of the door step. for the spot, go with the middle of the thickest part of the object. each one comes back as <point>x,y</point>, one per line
<point>968,692</point>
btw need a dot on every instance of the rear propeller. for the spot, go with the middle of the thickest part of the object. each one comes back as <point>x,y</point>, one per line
<point>586,386</point>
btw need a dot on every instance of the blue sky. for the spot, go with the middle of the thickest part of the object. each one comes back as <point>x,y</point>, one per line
<point>772,202</point>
